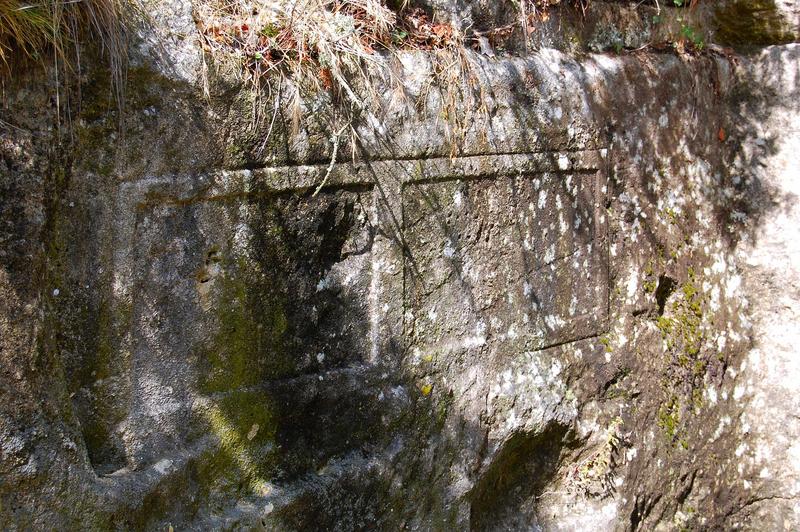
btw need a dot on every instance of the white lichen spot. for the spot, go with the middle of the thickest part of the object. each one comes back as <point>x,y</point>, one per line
<point>550,254</point>
<point>721,341</point>
<point>416,356</point>
<point>554,322</point>
<point>738,392</point>
<point>449,250</point>
<point>555,369</point>
<point>512,332</point>
<point>740,450</point>
<point>719,265</point>
<point>714,302</point>
<point>732,286</point>
<point>711,394</point>
<point>738,216</point>
<point>542,199</point>
<point>478,339</point>
<point>633,284</point>
<point>323,283</point>
<point>163,466</point>
<point>526,289</point>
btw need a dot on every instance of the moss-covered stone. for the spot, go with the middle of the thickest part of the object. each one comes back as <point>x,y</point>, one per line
<point>249,345</point>
<point>681,329</point>
<point>688,359</point>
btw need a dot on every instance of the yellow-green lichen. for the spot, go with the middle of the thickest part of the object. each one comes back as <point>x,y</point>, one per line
<point>682,328</point>
<point>669,417</point>
<point>606,341</point>
<point>593,476</point>
<point>683,333</point>
<point>650,284</point>
<point>246,455</point>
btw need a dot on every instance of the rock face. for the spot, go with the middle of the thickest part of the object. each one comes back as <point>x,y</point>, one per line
<point>544,296</point>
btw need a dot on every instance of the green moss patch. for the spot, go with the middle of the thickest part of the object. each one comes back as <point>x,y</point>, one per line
<point>249,346</point>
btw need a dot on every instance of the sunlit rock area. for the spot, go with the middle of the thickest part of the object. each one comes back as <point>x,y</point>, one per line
<point>427,265</point>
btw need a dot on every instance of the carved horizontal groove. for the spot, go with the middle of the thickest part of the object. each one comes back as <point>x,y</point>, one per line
<point>440,170</point>
<point>227,184</point>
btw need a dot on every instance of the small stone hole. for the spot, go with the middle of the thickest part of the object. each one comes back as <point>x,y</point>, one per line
<point>666,285</point>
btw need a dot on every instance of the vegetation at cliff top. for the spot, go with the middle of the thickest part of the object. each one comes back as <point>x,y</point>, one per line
<point>321,44</point>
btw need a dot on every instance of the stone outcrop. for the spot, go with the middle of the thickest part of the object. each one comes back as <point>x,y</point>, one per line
<point>545,294</point>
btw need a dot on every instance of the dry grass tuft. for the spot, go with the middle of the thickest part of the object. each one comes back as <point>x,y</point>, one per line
<point>50,30</point>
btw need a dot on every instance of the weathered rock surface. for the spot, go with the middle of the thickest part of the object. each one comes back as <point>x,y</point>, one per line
<point>555,292</point>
